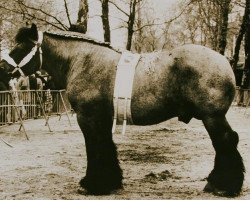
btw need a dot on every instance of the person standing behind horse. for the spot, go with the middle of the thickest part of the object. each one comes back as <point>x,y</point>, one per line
<point>14,100</point>
<point>32,82</point>
<point>40,81</point>
<point>49,85</point>
<point>23,84</point>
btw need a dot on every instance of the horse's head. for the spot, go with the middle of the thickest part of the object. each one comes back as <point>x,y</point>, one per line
<point>25,57</point>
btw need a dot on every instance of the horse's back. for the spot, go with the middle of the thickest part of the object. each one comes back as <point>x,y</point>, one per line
<point>189,81</point>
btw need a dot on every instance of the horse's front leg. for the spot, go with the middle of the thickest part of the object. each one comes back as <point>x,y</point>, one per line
<point>227,177</point>
<point>103,173</point>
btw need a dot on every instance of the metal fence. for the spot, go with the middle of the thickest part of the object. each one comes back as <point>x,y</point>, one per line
<point>30,104</point>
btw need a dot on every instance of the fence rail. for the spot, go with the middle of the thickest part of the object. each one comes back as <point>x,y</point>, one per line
<point>30,104</point>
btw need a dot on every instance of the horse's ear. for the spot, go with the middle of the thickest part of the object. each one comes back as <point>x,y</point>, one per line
<point>33,28</point>
<point>33,32</point>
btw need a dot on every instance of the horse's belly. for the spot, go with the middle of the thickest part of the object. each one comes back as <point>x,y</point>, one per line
<point>148,109</point>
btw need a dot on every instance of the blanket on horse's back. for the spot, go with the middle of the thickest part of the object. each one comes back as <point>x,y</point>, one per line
<point>123,88</point>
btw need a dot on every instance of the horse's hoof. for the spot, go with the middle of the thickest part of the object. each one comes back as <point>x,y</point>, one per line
<point>210,188</point>
<point>83,182</point>
<point>91,189</point>
<point>221,193</point>
<point>99,187</point>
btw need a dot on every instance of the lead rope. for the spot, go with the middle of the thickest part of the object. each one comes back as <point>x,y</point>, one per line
<point>39,44</point>
<point>41,58</point>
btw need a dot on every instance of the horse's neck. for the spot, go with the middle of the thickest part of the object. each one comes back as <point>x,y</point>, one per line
<point>57,57</point>
<point>60,54</point>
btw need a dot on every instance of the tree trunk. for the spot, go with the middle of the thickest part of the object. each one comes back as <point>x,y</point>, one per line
<point>225,9</point>
<point>247,50</point>
<point>139,35</point>
<point>242,31</point>
<point>1,24</point>
<point>105,20</point>
<point>131,21</point>
<point>82,20</point>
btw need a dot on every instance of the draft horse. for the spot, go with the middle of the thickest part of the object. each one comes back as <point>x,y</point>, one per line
<point>187,82</point>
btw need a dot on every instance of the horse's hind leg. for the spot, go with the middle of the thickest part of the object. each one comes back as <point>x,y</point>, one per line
<point>103,173</point>
<point>228,174</point>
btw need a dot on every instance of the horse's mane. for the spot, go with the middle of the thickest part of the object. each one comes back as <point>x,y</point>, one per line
<point>81,37</point>
<point>26,34</point>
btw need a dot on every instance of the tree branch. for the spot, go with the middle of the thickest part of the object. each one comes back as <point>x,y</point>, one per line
<point>40,19</point>
<point>111,2</point>
<point>43,12</point>
<point>166,22</point>
<point>67,12</point>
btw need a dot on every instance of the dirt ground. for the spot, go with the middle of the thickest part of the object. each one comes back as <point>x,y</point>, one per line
<point>165,161</point>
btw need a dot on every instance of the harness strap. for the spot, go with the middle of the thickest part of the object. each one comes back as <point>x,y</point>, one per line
<point>27,58</point>
<point>38,44</point>
<point>9,60</point>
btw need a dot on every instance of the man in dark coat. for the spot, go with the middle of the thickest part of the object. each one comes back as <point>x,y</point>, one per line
<point>33,82</point>
<point>49,84</point>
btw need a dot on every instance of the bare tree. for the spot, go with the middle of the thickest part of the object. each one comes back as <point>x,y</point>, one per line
<point>138,39</point>
<point>130,13</point>
<point>81,25</point>
<point>206,23</point>
<point>105,20</point>
<point>1,38</point>
<point>247,48</point>
<point>242,31</point>
<point>45,13</point>
<point>147,36</point>
<point>131,22</point>
<point>9,24</point>
<point>224,11</point>
<point>156,34</point>
<point>42,13</point>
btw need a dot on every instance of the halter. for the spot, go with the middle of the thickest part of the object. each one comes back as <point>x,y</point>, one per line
<point>27,58</point>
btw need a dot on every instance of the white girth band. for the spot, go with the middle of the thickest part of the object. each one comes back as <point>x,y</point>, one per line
<point>123,89</point>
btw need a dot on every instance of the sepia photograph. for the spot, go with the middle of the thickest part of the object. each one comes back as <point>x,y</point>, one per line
<point>124,99</point>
